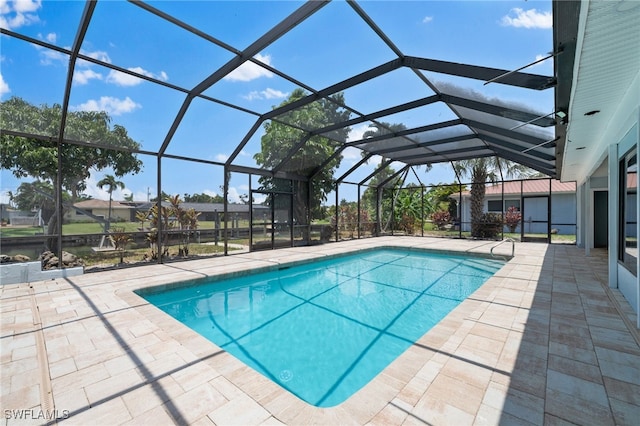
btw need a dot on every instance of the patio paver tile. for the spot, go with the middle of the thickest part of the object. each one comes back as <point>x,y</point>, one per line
<point>540,342</point>
<point>577,410</point>
<point>194,404</point>
<point>154,417</point>
<point>239,411</point>
<point>625,413</point>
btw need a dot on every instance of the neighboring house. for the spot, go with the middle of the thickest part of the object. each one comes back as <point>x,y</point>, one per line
<point>119,212</point>
<point>531,198</point>
<point>21,218</point>
<point>211,211</point>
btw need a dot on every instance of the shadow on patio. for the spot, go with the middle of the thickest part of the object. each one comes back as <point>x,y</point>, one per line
<point>575,359</point>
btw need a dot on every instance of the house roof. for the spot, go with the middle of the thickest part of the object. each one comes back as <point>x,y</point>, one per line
<point>602,60</point>
<point>527,187</point>
<point>207,207</point>
<point>100,204</point>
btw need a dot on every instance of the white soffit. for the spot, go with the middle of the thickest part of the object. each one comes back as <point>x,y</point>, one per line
<point>607,61</point>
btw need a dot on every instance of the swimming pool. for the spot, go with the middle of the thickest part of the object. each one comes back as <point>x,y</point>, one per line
<point>323,330</point>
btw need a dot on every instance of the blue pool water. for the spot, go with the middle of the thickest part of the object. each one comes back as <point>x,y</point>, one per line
<point>323,330</point>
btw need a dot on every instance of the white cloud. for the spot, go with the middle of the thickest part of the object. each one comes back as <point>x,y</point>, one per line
<point>253,95</point>
<point>259,198</point>
<point>122,79</point>
<point>221,158</point>
<point>4,196</point>
<point>250,71</point>
<point>210,193</point>
<point>268,93</point>
<point>528,19</point>
<point>427,19</point>
<point>357,132</point>
<point>18,13</point>
<point>4,87</point>
<point>51,37</point>
<point>4,7</point>
<point>112,106</point>
<point>26,6</point>
<point>540,56</point>
<point>83,77</point>
<point>49,57</point>
<point>233,196</point>
<point>99,55</point>
<point>352,155</point>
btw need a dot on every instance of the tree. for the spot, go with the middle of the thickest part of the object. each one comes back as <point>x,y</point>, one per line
<point>38,157</point>
<point>408,208</point>
<point>119,238</point>
<point>163,196</point>
<point>347,217</point>
<point>33,196</point>
<point>441,198</point>
<point>369,197</point>
<point>279,139</point>
<point>481,170</point>
<point>112,184</point>
<point>203,198</point>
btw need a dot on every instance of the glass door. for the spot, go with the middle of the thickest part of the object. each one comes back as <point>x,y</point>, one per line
<point>536,219</point>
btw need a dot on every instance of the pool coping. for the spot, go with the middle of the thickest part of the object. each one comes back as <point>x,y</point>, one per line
<point>220,278</point>
<point>157,288</point>
<point>371,399</point>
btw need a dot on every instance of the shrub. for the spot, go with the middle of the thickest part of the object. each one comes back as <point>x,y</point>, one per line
<point>512,218</point>
<point>490,225</point>
<point>441,218</point>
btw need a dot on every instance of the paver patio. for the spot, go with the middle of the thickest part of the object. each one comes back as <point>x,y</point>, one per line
<point>544,341</point>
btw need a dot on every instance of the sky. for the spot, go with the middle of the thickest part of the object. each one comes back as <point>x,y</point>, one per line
<point>330,46</point>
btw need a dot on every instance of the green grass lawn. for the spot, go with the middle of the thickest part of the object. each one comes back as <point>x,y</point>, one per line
<point>85,228</point>
<point>135,254</point>
<point>131,255</point>
<point>29,231</point>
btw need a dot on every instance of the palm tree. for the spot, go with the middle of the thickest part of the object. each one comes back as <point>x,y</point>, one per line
<point>112,184</point>
<point>481,170</point>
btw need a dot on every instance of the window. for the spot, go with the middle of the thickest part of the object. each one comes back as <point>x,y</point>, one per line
<point>511,203</point>
<point>628,223</point>
<point>494,206</point>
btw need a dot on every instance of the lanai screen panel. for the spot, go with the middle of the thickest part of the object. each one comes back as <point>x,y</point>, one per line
<point>324,42</point>
<point>400,86</point>
<point>28,113</point>
<point>182,59</point>
<point>201,80</point>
